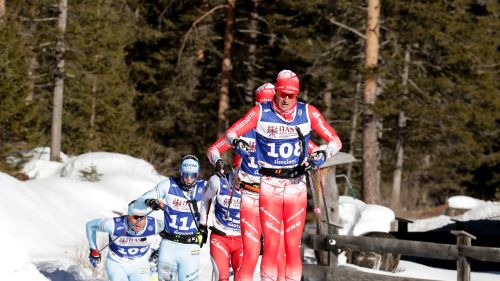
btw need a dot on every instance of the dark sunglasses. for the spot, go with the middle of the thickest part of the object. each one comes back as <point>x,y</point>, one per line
<point>284,95</point>
<point>137,217</point>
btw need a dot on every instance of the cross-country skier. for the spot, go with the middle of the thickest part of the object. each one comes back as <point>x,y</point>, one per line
<point>180,198</point>
<point>130,238</point>
<point>249,184</point>
<point>283,129</point>
<point>225,238</point>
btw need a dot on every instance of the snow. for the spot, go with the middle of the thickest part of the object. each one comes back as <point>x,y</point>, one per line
<point>44,218</point>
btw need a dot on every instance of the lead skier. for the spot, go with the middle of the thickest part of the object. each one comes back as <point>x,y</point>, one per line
<point>283,129</point>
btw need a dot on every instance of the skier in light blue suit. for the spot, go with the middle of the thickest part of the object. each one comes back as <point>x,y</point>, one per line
<point>180,198</point>
<point>130,238</point>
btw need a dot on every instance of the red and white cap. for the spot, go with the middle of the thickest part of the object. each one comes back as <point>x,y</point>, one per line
<point>265,93</point>
<point>287,82</point>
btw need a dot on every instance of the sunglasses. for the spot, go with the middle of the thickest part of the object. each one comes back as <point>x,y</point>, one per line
<point>137,217</point>
<point>189,175</point>
<point>286,95</point>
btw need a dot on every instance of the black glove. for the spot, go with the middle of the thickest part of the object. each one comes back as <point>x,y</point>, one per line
<point>202,235</point>
<point>219,168</point>
<point>153,204</point>
<point>154,255</point>
<point>94,257</point>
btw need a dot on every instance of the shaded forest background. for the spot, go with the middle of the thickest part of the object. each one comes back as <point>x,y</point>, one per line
<point>143,78</point>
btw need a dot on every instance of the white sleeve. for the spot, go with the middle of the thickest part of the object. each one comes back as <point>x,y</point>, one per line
<point>210,192</point>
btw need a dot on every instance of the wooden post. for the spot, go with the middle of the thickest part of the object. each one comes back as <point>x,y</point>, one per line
<point>403,225</point>
<point>463,264</point>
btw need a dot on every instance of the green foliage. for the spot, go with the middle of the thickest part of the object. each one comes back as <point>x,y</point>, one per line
<point>130,89</point>
<point>19,122</point>
<point>90,173</point>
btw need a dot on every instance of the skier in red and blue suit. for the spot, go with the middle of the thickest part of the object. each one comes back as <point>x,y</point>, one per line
<point>282,128</point>
<point>225,237</point>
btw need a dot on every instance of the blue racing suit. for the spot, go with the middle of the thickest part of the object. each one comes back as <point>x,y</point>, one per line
<point>128,256</point>
<point>179,249</point>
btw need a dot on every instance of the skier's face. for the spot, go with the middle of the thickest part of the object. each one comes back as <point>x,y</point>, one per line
<point>286,101</point>
<point>189,178</point>
<point>136,222</point>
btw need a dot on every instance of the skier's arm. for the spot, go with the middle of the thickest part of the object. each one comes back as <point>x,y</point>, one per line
<point>101,225</point>
<point>312,147</point>
<point>210,192</point>
<point>159,192</point>
<point>244,125</point>
<point>324,130</point>
<point>240,127</point>
<point>216,149</point>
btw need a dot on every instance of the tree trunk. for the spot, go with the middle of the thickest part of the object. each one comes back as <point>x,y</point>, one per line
<point>370,141</point>
<point>55,145</point>
<point>354,129</point>
<point>398,169</point>
<point>252,60</point>
<point>2,8</point>
<point>327,100</point>
<point>226,69</point>
<point>92,107</point>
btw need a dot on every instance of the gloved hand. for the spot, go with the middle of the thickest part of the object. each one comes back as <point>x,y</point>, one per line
<point>202,235</point>
<point>154,204</point>
<point>241,147</point>
<point>94,257</point>
<point>317,158</point>
<point>154,255</point>
<point>219,168</point>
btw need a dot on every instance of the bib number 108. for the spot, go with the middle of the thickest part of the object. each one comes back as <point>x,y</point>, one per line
<point>284,150</point>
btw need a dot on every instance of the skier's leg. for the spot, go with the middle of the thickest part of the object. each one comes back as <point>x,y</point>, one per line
<point>189,262</point>
<point>281,259</point>
<point>271,211</point>
<point>220,253</point>
<point>236,254</point>
<point>168,260</point>
<point>139,272</point>
<point>250,234</point>
<point>294,215</point>
<point>116,272</point>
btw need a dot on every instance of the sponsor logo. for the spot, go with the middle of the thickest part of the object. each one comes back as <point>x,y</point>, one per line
<point>272,227</point>
<point>269,214</point>
<point>293,226</point>
<point>322,125</point>
<point>248,224</point>
<point>219,246</point>
<point>295,215</point>
<point>280,131</point>
<point>251,236</point>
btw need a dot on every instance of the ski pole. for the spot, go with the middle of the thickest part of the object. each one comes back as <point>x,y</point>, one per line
<point>317,209</point>
<point>139,220</point>
<point>226,214</point>
<point>324,198</point>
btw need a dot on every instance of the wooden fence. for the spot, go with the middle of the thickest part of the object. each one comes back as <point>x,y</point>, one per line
<point>329,243</point>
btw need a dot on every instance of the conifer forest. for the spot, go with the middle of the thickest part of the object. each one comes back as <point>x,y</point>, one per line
<point>160,78</point>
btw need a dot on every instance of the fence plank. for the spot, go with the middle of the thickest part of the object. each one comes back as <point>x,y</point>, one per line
<point>384,245</point>
<point>318,272</point>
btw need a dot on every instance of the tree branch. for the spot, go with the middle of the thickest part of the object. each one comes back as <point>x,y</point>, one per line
<point>348,28</point>
<point>191,29</point>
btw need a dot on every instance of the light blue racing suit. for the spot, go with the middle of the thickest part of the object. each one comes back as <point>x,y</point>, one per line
<point>179,254</point>
<point>128,255</point>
